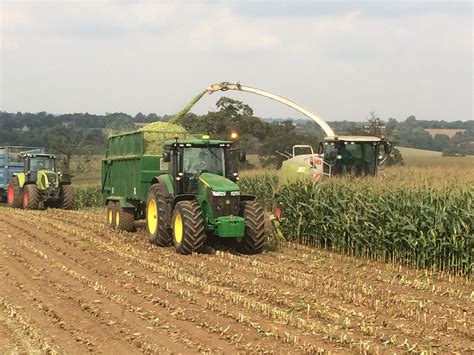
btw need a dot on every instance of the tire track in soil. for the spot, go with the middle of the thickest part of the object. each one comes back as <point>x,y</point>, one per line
<point>333,334</point>
<point>252,331</point>
<point>110,296</point>
<point>24,330</point>
<point>64,306</point>
<point>449,338</point>
<point>297,321</point>
<point>12,338</point>
<point>273,344</point>
<point>239,282</point>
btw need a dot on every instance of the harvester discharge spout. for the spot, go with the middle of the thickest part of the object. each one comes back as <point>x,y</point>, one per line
<point>224,86</point>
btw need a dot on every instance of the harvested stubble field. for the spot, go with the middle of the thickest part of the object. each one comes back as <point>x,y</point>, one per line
<point>72,285</point>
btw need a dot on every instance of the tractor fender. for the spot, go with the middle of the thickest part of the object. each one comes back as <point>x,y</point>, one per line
<point>247,198</point>
<point>164,179</point>
<point>183,197</point>
<point>21,179</point>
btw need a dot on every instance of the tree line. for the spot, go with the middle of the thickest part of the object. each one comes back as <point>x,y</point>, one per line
<point>86,134</point>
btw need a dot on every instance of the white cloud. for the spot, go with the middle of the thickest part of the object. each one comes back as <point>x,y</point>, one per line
<point>12,21</point>
<point>220,30</point>
<point>153,56</point>
<point>143,13</point>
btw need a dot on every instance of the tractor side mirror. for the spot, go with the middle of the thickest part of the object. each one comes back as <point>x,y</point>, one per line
<point>321,148</point>
<point>166,157</point>
<point>242,155</point>
<point>387,147</point>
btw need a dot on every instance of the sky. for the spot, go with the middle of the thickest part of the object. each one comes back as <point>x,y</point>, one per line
<point>338,59</point>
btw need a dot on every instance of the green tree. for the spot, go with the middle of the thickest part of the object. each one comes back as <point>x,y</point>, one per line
<point>65,141</point>
<point>281,138</point>
<point>140,117</point>
<point>376,126</point>
<point>232,115</point>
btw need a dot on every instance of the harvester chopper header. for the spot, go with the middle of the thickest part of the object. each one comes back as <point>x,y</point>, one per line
<point>337,155</point>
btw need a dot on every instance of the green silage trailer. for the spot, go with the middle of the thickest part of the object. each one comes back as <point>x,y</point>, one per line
<point>132,160</point>
<point>185,187</point>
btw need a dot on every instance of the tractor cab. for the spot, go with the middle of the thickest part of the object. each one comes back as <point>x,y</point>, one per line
<point>190,160</point>
<point>36,162</point>
<point>353,155</point>
<point>40,168</point>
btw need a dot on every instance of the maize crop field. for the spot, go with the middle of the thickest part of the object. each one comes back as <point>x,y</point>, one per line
<point>70,284</point>
<point>419,217</point>
<point>413,216</point>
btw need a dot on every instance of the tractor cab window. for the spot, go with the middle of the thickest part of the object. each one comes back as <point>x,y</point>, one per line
<point>40,163</point>
<point>197,160</point>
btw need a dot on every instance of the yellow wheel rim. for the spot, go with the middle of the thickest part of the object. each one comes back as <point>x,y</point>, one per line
<point>151,217</point>
<point>178,229</point>
<point>117,218</point>
<point>110,216</point>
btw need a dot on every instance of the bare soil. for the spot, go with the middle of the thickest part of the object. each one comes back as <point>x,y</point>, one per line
<point>69,284</point>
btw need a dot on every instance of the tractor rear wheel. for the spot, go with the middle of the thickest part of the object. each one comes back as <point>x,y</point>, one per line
<point>188,227</point>
<point>158,232</point>
<point>31,197</point>
<point>67,197</point>
<point>110,211</point>
<point>254,236</point>
<point>14,195</point>
<point>124,218</point>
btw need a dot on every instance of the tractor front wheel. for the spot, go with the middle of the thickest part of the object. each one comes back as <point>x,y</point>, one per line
<point>31,197</point>
<point>188,227</point>
<point>14,195</point>
<point>254,237</point>
<point>67,197</point>
<point>158,232</point>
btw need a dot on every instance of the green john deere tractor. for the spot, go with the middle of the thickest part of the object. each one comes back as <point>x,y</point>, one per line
<point>40,185</point>
<point>187,195</point>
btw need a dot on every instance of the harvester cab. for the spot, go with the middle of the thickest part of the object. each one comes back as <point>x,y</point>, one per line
<point>340,156</point>
<point>200,198</point>
<point>352,155</point>
<point>40,184</point>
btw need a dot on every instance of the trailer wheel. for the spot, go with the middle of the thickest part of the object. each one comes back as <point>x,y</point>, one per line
<point>14,194</point>
<point>124,218</point>
<point>67,197</point>
<point>158,232</point>
<point>31,197</point>
<point>254,236</point>
<point>188,227</point>
<point>110,211</point>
